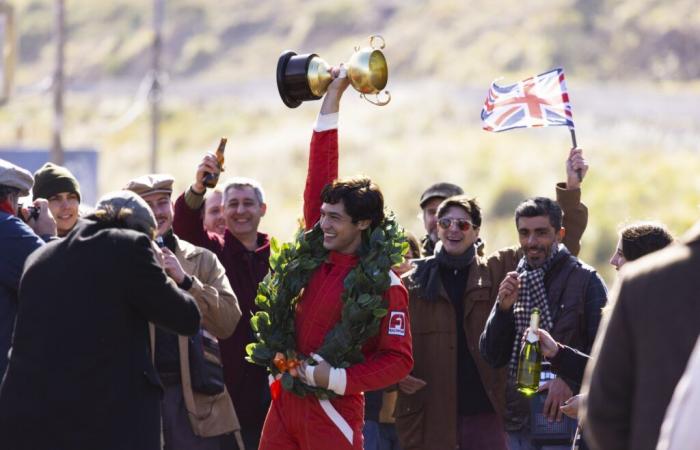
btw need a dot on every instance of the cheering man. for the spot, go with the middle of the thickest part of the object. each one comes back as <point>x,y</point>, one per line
<point>343,214</point>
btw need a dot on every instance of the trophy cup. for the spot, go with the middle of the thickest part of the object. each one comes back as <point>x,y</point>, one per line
<point>305,77</point>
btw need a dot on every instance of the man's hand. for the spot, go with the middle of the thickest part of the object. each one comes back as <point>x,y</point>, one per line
<point>508,291</point>
<point>557,394</point>
<point>331,101</point>
<point>411,385</point>
<point>172,266</point>
<point>158,252</point>
<point>548,345</point>
<point>209,164</point>
<point>322,372</point>
<point>45,224</point>
<point>570,407</point>
<point>574,164</point>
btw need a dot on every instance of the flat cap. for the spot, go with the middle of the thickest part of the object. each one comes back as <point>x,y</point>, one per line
<point>15,177</point>
<point>155,183</point>
<point>130,208</point>
<point>440,190</point>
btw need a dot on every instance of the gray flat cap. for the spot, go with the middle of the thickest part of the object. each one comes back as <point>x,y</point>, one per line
<point>140,217</point>
<point>16,177</point>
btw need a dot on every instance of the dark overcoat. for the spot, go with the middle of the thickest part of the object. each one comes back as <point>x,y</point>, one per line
<point>643,347</point>
<point>80,373</point>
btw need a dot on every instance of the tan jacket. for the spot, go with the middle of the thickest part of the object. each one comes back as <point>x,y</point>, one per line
<point>427,419</point>
<point>209,415</point>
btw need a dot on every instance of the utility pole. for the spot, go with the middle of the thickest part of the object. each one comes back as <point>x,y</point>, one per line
<point>57,85</point>
<point>155,93</point>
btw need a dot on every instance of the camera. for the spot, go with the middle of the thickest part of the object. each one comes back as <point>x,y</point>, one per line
<point>32,213</point>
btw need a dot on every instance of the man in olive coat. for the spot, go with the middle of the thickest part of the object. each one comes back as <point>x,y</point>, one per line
<point>80,374</point>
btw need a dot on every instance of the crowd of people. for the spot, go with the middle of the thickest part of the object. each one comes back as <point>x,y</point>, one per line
<point>125,326</point>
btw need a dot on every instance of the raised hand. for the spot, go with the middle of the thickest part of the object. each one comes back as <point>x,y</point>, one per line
<point>576,165</point>
<point>508,291</point>
<point>209,164</point>
<point>331,102</point>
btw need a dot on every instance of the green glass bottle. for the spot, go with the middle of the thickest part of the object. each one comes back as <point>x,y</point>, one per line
<point>530,360</point>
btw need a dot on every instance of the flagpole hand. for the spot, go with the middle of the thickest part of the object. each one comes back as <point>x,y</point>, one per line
<point>576,168</point>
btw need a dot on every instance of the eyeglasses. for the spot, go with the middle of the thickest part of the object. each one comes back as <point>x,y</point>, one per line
<point>463,224</point>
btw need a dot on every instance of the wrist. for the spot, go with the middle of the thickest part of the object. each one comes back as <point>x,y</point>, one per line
<point>185,283</point>
<point>198,189</point>
<point>573,183</point>
<point>501,305</point>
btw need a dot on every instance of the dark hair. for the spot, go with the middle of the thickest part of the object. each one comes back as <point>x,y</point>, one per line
<point>361,197</point>
<point>540,206</point>
<point>641,238</point>
<point>110,217</point>
<point>7,191</point>
<point>413,245</point>
<point>462,201</point>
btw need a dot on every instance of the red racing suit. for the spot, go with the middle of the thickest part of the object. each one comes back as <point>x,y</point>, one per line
<point>307,423</point>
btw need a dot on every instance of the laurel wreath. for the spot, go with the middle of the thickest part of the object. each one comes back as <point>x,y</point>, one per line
<point>292,265</point>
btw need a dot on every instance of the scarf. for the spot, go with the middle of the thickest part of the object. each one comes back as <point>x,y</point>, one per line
<point>428,275</point>
<point>532,294</point>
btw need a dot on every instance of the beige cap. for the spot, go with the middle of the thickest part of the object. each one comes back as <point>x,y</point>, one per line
<point>16,177</point>
<point>157,183</point>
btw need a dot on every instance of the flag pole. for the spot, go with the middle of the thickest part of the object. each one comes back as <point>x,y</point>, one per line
<point>573,143</point>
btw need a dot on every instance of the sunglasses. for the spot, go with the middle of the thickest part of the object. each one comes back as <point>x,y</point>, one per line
<point>463,224</point>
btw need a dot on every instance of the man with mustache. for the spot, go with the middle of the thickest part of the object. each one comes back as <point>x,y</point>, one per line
<point>193,418</point>
<point>570,296</point>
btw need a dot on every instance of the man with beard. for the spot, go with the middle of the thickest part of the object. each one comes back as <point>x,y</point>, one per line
<point>450,296</point>
<point>570,296</point>
<point>193,417</point>
<point>244,253</point>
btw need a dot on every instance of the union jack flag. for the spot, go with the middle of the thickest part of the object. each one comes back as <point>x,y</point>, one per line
<point>539,101</point>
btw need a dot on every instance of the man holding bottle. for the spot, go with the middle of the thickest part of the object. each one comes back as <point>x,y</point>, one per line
<point>451,294</point>
<point>570,296</point>
<point>244,252</point>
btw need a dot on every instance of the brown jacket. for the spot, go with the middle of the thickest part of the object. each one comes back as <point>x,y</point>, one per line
<point>643,347</point>
<point>209,415</point>
<point>428,419</point>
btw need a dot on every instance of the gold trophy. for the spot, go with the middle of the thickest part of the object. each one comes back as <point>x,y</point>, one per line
<point>306,77</point>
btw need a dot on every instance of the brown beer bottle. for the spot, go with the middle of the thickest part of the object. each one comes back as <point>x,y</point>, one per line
<point>210,179</point>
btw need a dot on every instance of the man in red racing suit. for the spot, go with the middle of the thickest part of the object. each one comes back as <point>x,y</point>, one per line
<point>308,423</point>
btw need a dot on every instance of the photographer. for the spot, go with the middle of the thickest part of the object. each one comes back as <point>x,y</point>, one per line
<point>17,240</point>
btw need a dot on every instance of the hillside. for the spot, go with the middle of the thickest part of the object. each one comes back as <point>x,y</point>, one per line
<point>465,41</point>
<point>639,133</point>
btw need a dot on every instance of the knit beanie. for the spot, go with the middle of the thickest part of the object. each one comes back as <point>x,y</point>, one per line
<point>52,179</point>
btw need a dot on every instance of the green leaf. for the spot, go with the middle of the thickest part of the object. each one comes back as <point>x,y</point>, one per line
<point>379,312</point>
<point>287,381</point>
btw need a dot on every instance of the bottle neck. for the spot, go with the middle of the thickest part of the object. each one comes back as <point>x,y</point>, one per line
<point>534,326</point>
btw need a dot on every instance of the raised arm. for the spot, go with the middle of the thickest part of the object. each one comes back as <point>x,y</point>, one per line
<point>323,153</point>
<point>575,217</point>
<point>188,220</point>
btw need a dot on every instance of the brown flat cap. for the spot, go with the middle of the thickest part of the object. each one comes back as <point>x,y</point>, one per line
<point>157,183</point>
<point>15,177</point>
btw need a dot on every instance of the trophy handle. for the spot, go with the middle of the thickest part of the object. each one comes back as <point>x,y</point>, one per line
<point>378,101</point>
<point>372,39</point>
